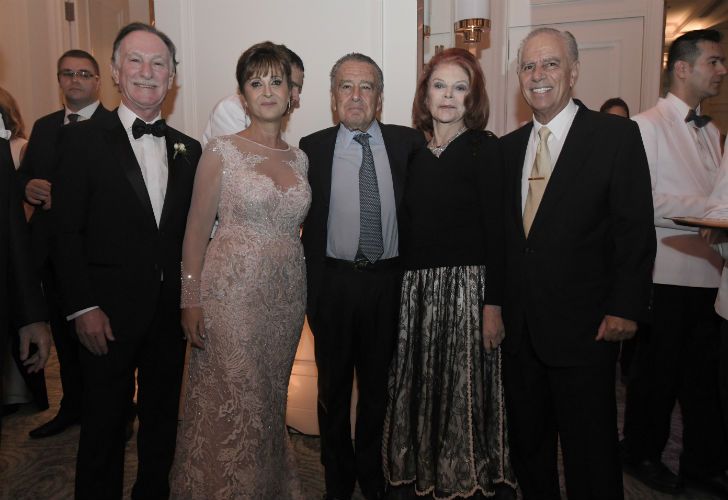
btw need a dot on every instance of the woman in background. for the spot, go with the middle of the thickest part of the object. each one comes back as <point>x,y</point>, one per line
<point>445,430</point>
<point>14,123</point>
<point>19,386</point>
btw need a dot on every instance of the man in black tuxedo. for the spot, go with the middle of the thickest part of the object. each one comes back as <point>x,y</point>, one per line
<point>20,292</point>
<point>353,270</point>
<point>78,79</point>
<point>580,244</point>
<point>120,208</point>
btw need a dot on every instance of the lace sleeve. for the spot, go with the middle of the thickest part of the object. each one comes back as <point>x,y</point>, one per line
<point>205,198</point>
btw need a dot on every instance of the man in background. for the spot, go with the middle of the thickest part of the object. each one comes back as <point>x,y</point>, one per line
<point>678,358</point>
<point>78,78</point>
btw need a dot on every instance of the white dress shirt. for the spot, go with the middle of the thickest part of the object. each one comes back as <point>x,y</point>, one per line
<point>343,224</point>
<point>151,154</point>
<point>83,113</point>
<point>559,127</point>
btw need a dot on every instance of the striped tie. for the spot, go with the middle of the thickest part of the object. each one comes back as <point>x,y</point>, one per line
<point>371,246</point>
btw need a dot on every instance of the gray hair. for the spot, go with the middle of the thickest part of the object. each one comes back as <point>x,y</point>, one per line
<point>137,26</point>
<point>572,49</point>
<point>355,56</point>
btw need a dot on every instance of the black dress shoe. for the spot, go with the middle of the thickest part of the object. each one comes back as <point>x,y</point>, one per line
<point>654,474</point>
<point>56,425</point>
<point>716,484</point>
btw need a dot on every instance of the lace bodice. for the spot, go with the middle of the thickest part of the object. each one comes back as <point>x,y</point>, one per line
<point>257,193</point>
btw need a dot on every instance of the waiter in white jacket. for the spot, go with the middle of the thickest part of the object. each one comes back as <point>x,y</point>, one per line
<point>678,359</point>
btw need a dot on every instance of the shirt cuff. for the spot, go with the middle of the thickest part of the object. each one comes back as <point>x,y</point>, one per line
<point>79,313</point>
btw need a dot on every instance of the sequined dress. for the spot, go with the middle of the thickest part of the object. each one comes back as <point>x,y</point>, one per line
<point>232,442</point>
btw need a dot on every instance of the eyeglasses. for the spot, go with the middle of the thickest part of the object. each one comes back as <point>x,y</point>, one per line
<point>81,74</point>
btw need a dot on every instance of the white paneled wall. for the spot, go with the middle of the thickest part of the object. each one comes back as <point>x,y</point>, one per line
<point>212,35</point>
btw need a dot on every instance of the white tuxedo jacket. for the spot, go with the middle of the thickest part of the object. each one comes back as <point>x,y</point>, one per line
<point>681,185</point>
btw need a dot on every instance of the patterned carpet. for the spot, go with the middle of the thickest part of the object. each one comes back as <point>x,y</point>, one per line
<point>44,469</point>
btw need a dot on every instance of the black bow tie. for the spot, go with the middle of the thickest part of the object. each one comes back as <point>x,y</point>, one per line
<point>700,120</point>
<point>139,128</point>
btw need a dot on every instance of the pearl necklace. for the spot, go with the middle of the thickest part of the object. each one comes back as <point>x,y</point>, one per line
<point>437,150</point>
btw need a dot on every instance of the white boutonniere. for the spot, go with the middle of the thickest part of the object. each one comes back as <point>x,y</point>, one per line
<point>179,149</point>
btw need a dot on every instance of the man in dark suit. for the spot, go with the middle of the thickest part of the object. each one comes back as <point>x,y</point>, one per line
<point>20,291</point>
<point>580,244</point>
<point>120,208</point>
<point>357,172</point>
<point>78,79</point>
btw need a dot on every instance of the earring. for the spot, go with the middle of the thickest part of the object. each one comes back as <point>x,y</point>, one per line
<point>288,109</point>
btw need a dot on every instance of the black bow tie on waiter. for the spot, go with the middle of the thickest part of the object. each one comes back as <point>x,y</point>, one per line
<point>700,120</point>
<point>139,128</point>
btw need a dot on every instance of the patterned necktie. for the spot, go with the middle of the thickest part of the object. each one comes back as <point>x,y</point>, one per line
<point>371,245</point>
<point>540,174</point>
<point>73,117</point>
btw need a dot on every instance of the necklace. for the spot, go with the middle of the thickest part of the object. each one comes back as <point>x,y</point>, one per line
<point>437,150</point>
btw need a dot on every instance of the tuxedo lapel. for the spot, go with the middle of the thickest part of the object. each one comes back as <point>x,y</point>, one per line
<point>174,177</point>
<point>119,141</point>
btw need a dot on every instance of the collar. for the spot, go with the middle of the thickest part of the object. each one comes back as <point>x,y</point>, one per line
<point>559,124</point>
<point>127,117</point>
<point>345,137</point>
<point>680,106</point>
<point>86,112</point>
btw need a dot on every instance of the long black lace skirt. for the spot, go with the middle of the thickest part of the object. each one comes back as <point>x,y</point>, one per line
<point>445,428</point>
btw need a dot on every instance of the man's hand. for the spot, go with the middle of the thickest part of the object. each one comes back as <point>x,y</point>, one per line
<point>193,324</point>
<point>38,192</point>
<point>493,330</point>
<point>614,329</point>
<point>40,335</point>
<point>94,331</point>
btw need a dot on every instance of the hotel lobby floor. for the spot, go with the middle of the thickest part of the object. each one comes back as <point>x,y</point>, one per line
<point>43,469</point>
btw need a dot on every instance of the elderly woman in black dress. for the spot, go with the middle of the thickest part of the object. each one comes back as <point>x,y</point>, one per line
<point>445,432</point>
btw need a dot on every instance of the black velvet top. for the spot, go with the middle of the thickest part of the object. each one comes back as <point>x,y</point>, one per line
<point>453,209</point>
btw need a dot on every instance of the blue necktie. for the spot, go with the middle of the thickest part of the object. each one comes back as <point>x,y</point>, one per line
<point>371,245</point>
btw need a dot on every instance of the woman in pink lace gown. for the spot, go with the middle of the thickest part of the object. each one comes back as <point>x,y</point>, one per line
<point>243,299</point>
